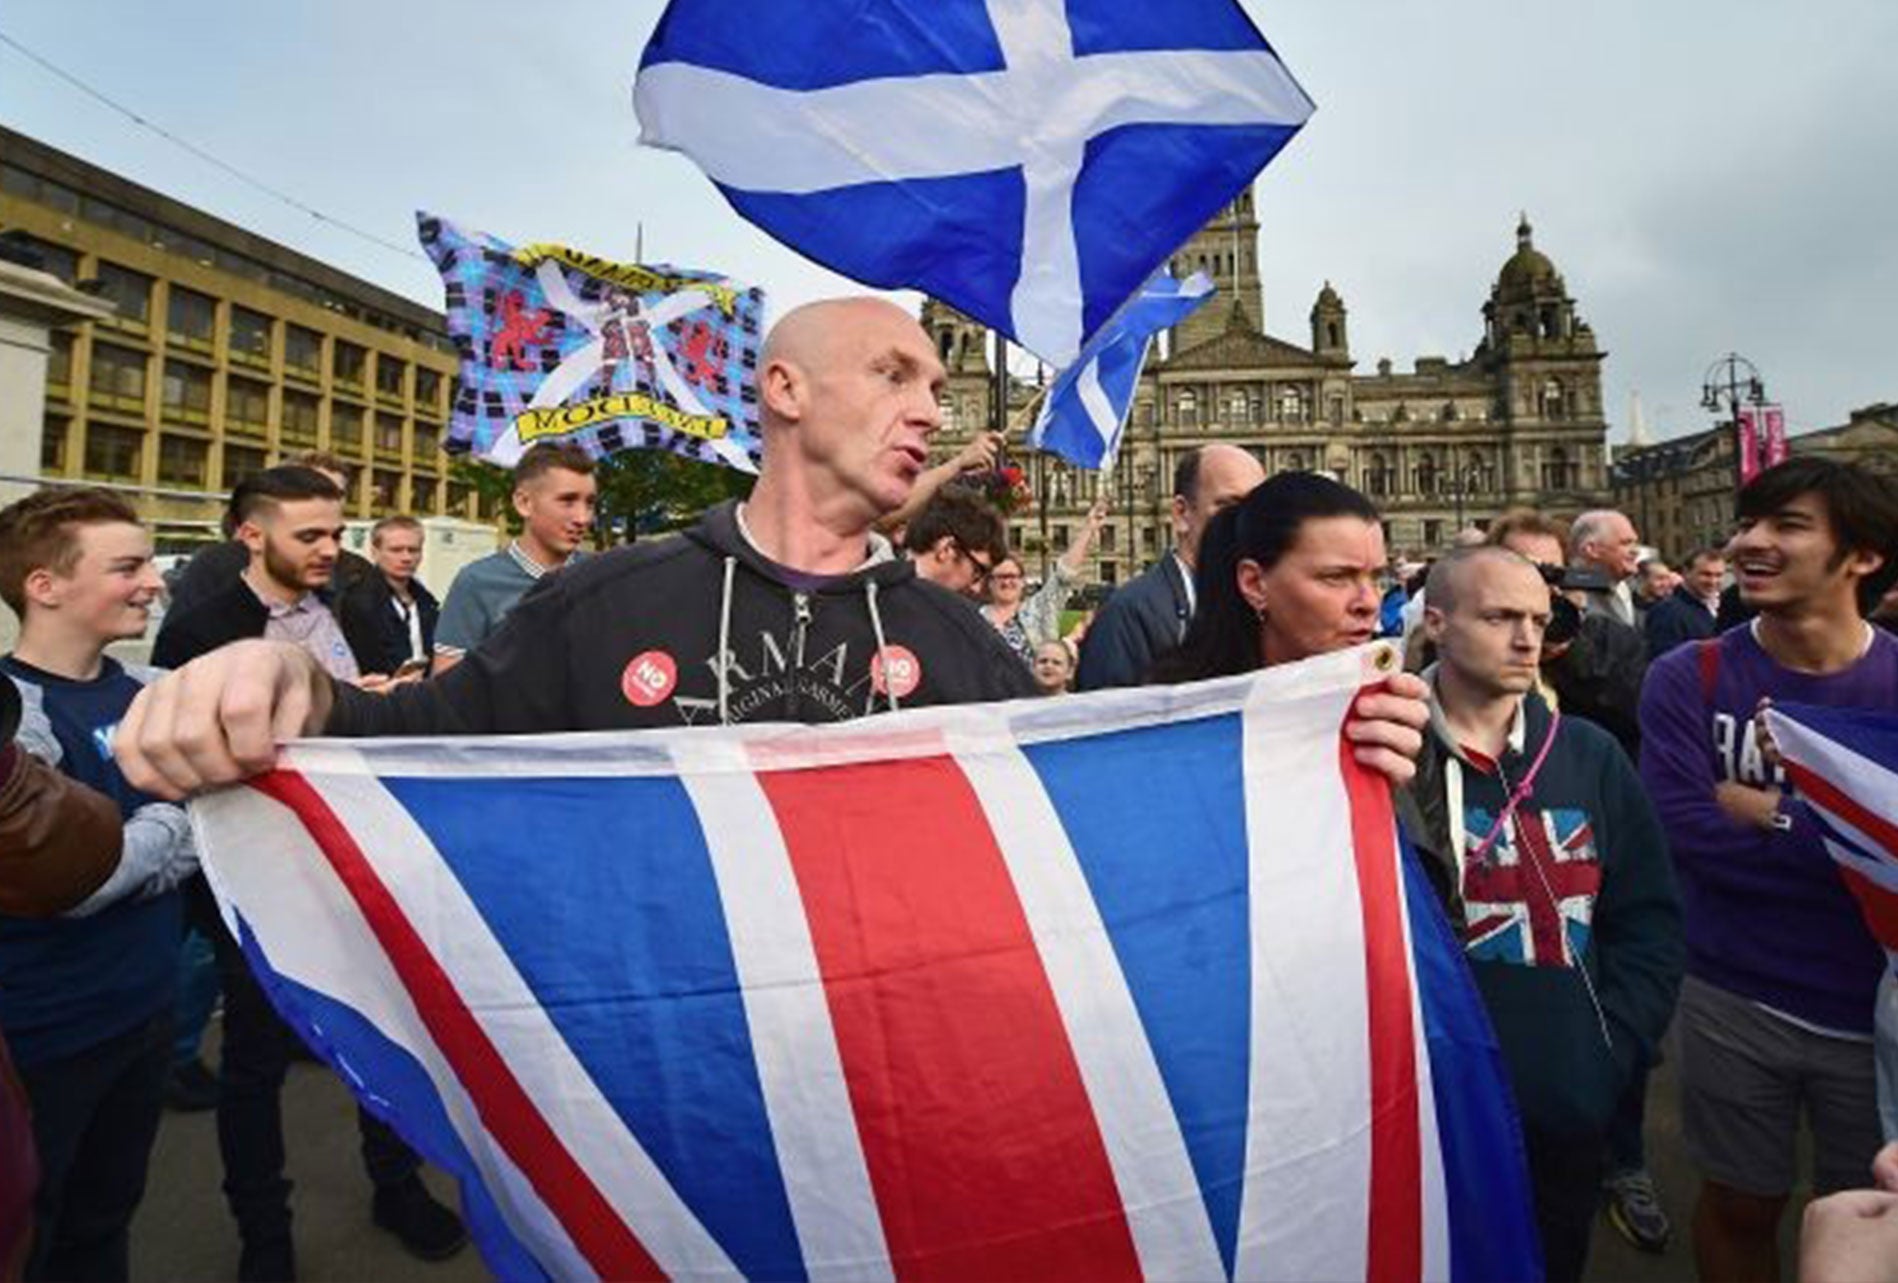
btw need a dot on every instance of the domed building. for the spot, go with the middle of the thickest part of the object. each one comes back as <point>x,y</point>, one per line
<point>1442,445</point>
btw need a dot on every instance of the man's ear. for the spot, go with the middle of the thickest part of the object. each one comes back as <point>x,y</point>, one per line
<point>1433,621</point>
<point>251,534</point>
<point>519,498</point>
<point>781,390</point>
<point>1250,579</point>
<point>41,587</point>
<point>1179,515</point>
<point>1865,563</point>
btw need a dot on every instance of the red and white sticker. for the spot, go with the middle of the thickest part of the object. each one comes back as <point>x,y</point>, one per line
<point>895,670</point>
<point>649,678</point>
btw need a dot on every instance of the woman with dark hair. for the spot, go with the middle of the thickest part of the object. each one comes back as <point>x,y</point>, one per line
<point>1293,570</point>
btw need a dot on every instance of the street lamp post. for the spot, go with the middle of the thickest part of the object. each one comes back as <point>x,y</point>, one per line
<point>1735,381</point>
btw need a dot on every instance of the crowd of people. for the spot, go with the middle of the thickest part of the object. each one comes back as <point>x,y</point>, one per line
<point>1577,755</point>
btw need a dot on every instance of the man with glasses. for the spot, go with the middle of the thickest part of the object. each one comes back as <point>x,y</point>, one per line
<point>957,541</point>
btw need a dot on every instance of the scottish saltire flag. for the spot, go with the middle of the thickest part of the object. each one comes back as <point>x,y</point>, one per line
<point>1844,762</point>
<point>1030,162</point>
<point>1132,985</point>
<point>557,345</point>
<point>1087,405</point>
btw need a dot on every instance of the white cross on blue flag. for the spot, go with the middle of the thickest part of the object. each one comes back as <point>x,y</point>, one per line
<point>1030,162</point>
<point>1087,406</point>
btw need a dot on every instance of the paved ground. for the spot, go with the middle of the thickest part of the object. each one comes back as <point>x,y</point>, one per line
<point>184,1234</point>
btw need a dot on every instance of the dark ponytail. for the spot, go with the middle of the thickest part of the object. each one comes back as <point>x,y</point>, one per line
<point>1223,638</point>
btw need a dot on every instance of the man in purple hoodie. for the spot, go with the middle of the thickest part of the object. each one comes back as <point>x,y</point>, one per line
<point>1775,1017</point>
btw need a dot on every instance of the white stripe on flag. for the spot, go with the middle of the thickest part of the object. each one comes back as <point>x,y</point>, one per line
<point>500,1000</point>
<point>1305,1211</point>
<point>1165,1210</point>
<point>1852,773</point>
<point>290,895</point>
<point>1100,408</point>
<point>839,1227</point>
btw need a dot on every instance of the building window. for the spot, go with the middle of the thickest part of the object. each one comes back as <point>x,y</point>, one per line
<point>129,291</point>
<point>241,461</point>
<point>53,443</point>
<point>1236,408</point>
<point>1294,461</point>
<point>1059,536</point>
<point>346,429</point>
<point>1557,472</point>
<point>428,444</point>
<point>1107,538</point>
<point>250,337</point>
<point>1110,574</point>
<point>303,351</point>
<point>1377,475</point>
<point>422,494</point>
<point>299,420</point>
<point>388,434</point>
<point>191,318</point>
<point>183,461</point>
<point>113,452</point>
<point>1432,534</point>
<point>118,378</point>
<point>54,259</point>
<point>186,393</point>
<point>1336,410</point>
<point>391,374</point>
<point>385,491</point>
<point>1554,401</point>
<point>346,363</point>
<point>458,499</point>
<point>1479,477</point>
<point>246,407</point>
<point>1149,540</point>
<point>428,392</point>
<point>1291,405</point>
<point>1427,474</point>
<point>1189,410</point>
<point>59,366</point>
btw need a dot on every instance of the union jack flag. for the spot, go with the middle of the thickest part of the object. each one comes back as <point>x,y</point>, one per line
<point>1138,984</point>
<point>1531,899</point>
<point>1844,762</point>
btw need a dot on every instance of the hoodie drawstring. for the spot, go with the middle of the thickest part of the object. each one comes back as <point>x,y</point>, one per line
<point>876,628</point>
<point>724,644</point>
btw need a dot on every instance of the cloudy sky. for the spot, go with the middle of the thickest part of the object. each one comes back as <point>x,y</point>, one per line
<point>1709,176</point>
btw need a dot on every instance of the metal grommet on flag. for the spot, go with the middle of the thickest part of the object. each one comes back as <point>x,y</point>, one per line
<point>1382,659</point>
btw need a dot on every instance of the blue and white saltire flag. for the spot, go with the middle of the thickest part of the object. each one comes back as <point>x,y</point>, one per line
<point>1130,985</point>
<point>1087,406</point>
<point>1030,162</point>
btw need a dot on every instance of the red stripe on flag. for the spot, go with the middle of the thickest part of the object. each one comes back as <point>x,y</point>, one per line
<point>977,1131</point>
<point>1825,793</point>
<point>1395,1216</point>
<point>505,1108</point>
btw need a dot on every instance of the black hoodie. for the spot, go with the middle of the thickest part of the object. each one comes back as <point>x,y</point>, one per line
<point>1574,1020</point>
<point>632,639</point>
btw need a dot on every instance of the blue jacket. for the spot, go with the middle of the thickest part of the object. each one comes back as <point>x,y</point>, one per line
<point>1145,618</point>
<point>1675,620</point>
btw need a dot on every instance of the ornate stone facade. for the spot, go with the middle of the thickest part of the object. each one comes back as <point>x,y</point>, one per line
<point>1446,444</point>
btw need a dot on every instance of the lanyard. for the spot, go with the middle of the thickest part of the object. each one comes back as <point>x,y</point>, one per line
<point>1519,794</point>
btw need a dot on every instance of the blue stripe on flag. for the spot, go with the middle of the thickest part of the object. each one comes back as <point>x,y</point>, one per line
<point>1157,819</point>
<point>1121,213</point>
<point>616,925</point>
<point>1492,1226</point>
<point>1870,734</point>
<point>956,238</point>
<point>1111,26</point>
<point>794,44</point>
<point>404,1097</point>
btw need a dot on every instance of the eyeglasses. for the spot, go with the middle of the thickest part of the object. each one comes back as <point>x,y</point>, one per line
<point>983,569</point>
<point>1006,577</point>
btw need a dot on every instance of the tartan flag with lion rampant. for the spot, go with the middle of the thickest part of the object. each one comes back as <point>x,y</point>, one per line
<point>560,345</point>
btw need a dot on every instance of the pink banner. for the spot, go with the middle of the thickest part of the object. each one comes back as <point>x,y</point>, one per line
<point>1773,447</point>
<point>1746,429</point>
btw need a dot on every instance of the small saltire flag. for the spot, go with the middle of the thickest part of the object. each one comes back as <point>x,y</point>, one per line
<point>1030,162</point>
<point>557,345</point>
<point>1087,406</point>
<point>1844,762</point>
<point>1132,985</point>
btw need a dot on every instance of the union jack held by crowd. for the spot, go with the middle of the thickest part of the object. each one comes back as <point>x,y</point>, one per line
<point>1133,985</point>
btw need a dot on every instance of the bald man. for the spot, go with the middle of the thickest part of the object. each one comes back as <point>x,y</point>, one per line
<point>703,628</point>
<point>1547,853</point>
<point>1148,615</point>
